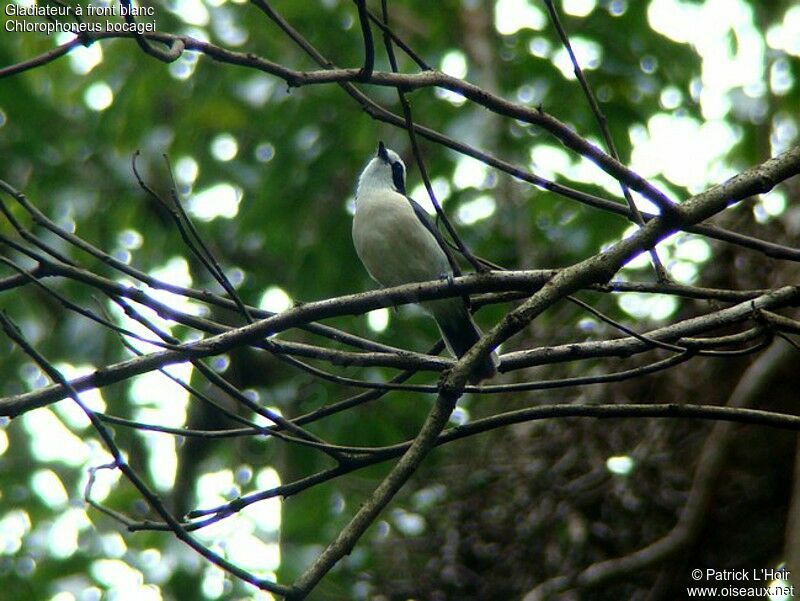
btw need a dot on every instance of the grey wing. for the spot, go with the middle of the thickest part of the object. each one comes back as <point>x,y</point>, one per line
<point>426,220</point>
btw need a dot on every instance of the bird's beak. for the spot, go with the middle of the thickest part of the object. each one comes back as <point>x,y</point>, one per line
<point>382,154</point>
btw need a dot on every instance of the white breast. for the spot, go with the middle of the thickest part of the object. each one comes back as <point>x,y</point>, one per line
<point>392,243</point>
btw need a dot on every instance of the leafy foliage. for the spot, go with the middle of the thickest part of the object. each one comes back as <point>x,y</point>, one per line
<point>290,157</point>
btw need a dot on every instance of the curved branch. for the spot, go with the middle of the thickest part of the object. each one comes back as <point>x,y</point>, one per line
<point>377,112</point>
<point>728,414</point>
<point>750,387</point>
<point>425,79</point>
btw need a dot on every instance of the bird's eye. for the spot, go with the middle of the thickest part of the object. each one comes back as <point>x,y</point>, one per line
<point>398,177</point>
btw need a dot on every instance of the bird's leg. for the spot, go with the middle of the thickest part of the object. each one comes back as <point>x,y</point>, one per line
<point>448,277</point>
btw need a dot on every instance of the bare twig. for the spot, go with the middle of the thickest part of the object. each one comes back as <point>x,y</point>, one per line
<point>365,301</point>
<point>423,172</point>
<point>173,51</point>
<point>730,414</point>
<point>750,387</point>
<point>425,79</point>
<point>13,332</point>
<point>770,249</point>
<point>603,123</point>
<point>369,46</point>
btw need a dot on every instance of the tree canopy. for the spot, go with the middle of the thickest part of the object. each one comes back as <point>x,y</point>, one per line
<point>183,306</point>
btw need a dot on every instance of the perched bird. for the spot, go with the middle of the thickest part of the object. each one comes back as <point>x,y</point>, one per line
<point>398,243</point>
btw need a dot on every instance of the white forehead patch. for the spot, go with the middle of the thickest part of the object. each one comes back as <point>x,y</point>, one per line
<point>393,157</point>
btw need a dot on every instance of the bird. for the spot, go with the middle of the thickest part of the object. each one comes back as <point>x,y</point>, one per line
<point>398,243</point>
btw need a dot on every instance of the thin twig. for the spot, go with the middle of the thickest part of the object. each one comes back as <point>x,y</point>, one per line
<point>189,234</point>
<point>369,45</point>
<point>423,172</point>
<point>168,55</point>
<point>364,301</point>
<point>304,437</point>
<point>661,273</point>
<point>152,499</point>
<point>750,388</point>
<point>397,40</point>
<point>377,112</point>
<point>756,417</point>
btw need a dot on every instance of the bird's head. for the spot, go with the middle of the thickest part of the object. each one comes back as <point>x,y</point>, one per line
<point>385,171</point>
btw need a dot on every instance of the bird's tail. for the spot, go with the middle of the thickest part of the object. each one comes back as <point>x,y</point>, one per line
<point>460,333</point>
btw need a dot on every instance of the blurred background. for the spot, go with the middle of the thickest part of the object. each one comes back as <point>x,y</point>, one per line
<point>693,91</point>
